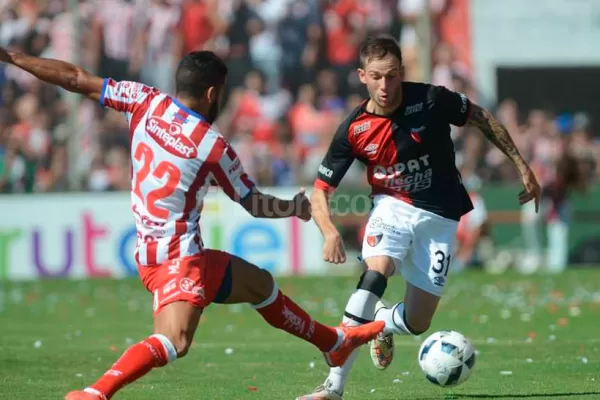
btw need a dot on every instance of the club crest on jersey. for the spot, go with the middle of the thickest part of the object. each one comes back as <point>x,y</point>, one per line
<point>171,138</point>
<point>373,239</point>
<point>365,126</point>
<point>414,134</point>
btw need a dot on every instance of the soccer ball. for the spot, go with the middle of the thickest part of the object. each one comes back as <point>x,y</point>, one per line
<point>447,358</point>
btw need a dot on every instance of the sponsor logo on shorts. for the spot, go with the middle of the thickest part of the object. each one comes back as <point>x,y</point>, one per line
<point>198,291</point>
<point>373,239</point>
<point>439,281</point>
<point>187,285</point>
<point>170,286</point>
<point>174,268</point>
<point>377,223</point>
<point>365,126</point>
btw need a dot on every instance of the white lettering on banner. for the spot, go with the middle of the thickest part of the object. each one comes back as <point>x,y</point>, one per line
<point>171,138</point>
<point>92,235</point>
<point>412,176</point>
<point>325,171</point>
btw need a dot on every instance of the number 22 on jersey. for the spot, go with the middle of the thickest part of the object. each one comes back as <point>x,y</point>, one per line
<point>144,155</point>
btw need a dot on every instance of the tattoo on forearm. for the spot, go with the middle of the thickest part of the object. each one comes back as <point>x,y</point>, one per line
<point>496,133</point>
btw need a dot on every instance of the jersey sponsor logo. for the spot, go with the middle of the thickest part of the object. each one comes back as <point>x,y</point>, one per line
<point>412,176</point>
<point>171,138</point>
<point>373,239</point>
<point>414,109</point>
<point>371,149</point>
<point>463,107</point>
<point>365,126</point>
<point>235,166</point>
<point>325,171</point>
<point>129,90</point>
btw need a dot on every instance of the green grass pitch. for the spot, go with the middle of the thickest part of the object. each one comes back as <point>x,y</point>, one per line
<point>538,337</point>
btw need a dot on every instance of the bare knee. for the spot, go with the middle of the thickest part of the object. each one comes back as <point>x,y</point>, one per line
<point>181,340</point>
<point>262,286</point>
<point>382,264</point>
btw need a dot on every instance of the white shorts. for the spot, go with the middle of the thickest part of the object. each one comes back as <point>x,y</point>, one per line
<point>419,241</point>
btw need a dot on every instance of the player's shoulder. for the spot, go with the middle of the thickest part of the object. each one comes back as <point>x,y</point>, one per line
<point>415,92</point>
<point>344,126</point>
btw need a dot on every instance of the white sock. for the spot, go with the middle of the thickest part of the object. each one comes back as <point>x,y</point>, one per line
<point>359,310</point>
<point>394,320</point>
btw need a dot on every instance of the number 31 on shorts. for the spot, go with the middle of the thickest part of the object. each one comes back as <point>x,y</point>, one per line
<point>440,264</point>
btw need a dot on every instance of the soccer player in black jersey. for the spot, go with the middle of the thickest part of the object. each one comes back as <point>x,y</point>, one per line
<point>402,134</point>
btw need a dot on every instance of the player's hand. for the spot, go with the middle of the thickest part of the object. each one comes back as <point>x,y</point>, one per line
<point>532,190</point>
<point>333,249</point>
<point>302,206</point>
<point>4,57</point>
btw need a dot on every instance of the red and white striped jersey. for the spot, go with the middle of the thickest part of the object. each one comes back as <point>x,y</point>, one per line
<point>175,157</point>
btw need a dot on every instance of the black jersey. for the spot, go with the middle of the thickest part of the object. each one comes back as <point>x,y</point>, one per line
<point>409,154</point>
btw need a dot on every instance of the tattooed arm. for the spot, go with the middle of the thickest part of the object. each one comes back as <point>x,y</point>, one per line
<point>497,134</point>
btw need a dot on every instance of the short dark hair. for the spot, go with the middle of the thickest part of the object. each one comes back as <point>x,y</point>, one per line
<point>377,47</point>
<point>198,71</point>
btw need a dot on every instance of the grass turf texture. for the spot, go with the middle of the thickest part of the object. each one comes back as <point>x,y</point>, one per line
<point>60,335</point>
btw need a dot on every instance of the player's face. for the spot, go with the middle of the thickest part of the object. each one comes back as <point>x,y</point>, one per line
<point>383,78</point>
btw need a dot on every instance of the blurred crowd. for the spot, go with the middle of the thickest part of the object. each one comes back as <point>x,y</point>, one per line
<point>292,80</point>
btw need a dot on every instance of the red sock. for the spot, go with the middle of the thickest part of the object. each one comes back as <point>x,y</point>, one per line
<point>283,313</point>
<point>136,362</point>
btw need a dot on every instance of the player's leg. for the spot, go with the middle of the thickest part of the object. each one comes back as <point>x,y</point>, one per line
<point>174,329</point>
<point>359,310</point>
<point>386,242</point>
<point>411,317</point>
<point>426,272</point>
<point>178,304</point>
<point>250,284</point>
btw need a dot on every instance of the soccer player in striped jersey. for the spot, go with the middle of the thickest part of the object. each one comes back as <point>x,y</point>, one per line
<point>176,155</point>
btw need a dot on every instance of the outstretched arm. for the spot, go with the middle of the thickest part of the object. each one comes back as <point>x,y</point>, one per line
<point>497,134</point>
<point>262,205</point>
<point>60,73</point>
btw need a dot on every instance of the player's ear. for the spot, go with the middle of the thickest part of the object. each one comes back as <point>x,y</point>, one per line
<point>402,72</point>
<point>362,75</point>
<point>212,94</point>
